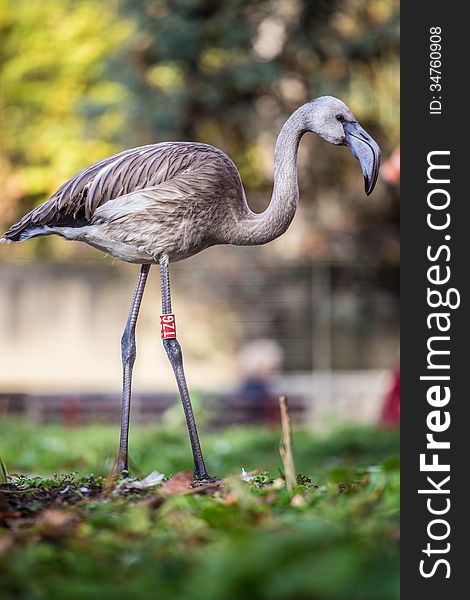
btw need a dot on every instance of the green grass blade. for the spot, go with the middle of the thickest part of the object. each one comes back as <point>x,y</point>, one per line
<point>3,472</point>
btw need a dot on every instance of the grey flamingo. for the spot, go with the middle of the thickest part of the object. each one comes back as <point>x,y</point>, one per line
<point>165,202</point>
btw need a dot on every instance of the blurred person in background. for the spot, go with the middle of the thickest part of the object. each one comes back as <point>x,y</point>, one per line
<point>259,362</point>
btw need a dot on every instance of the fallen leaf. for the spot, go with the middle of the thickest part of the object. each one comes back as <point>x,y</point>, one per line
<point>6,543</point>
<point>244,476</point>
<point>268,499</point>
<point>231,498</point>
<point>183,483</point>
<point>9,515</point>
<point>153,479</point>
<point>180,483</point>
<point>57,524</point>
<point>297,501</point>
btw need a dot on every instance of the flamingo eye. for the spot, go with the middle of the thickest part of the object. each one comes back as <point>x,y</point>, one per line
<point>340,118</point>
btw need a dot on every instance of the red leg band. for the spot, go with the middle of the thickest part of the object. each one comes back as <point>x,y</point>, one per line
<point>167,326</point>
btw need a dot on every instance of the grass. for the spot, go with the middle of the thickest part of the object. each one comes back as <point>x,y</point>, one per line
<point>334,536</point>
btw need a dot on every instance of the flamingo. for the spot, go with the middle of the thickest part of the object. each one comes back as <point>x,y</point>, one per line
<point>165,202</point>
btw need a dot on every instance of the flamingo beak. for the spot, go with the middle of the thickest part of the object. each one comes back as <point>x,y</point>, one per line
<point>367,152</point>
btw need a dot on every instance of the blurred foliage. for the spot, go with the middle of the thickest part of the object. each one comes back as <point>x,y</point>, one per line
<point>48,448</point>
<point>81,80</point>
<point>58,110</point>
<point>207,68</point>
<point>334,540</point>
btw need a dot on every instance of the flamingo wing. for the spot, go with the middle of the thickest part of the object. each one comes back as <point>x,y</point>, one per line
<point>168,167</point>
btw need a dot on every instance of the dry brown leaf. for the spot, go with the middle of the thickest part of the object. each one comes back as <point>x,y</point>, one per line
<point>183,483</point>
<point>57,524</point>
<point>6,543</point>
<point>231,498</point>
<point>297,500</point>
<point>180,483</point>
<point>269,498</point>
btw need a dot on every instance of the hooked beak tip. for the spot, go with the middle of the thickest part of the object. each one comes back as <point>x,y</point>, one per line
<point>367,152</point>
<point>369,184</point>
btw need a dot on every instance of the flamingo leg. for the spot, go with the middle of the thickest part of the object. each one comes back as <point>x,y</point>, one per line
<point>128,350</point>
<point>175,356</point>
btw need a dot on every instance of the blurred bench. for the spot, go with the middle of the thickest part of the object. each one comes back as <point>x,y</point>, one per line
<point>224,409</point>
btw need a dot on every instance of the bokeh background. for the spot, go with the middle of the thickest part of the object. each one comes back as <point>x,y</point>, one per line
<point>314,314</point>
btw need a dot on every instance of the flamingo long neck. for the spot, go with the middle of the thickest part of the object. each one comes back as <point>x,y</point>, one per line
<point>274,221</point>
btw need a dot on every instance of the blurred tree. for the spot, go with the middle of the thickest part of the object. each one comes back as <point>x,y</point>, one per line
<point>58,111</point>
<point>227,72</point>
